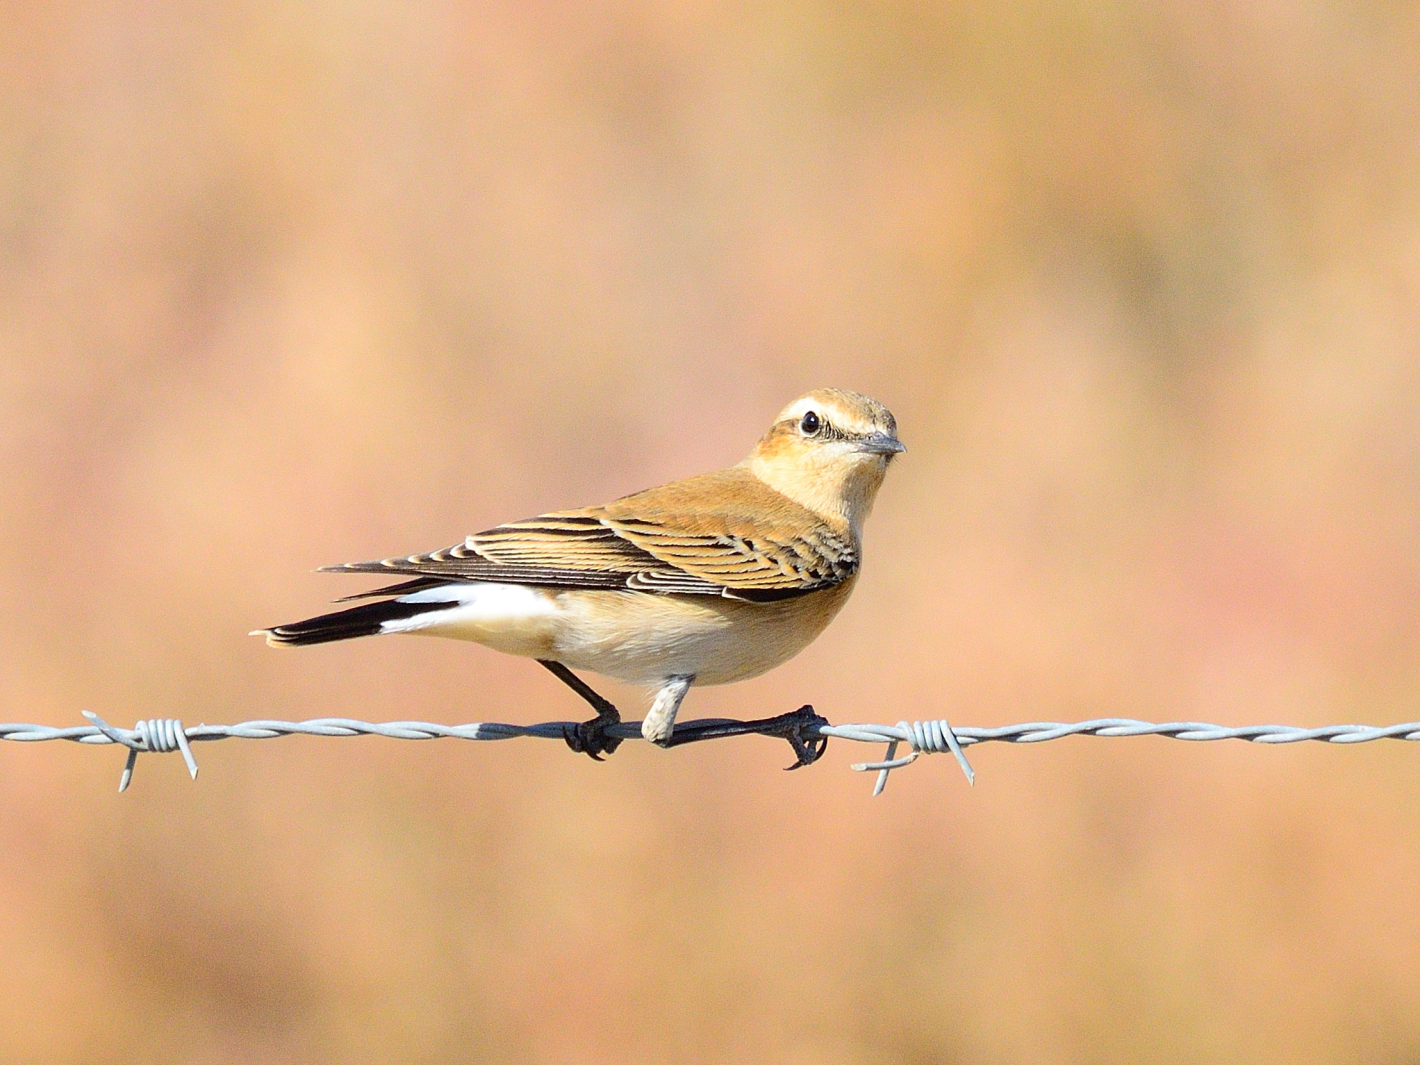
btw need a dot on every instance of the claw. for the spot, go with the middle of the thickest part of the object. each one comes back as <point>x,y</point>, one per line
<point>808,750</point>
<point>590,738</point>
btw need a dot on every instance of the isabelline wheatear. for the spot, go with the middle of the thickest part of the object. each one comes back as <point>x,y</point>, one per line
<point>708,580</point>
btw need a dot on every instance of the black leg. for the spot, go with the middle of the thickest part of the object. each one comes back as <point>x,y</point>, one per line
<point>800,728</point>
<point>589,737</point>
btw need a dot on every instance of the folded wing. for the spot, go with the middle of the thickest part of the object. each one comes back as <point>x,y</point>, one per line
<point>724,534</point>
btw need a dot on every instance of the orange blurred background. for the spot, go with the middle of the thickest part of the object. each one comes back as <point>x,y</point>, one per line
<point>287,284</point>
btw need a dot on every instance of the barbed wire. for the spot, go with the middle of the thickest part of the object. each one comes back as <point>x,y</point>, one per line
<point>806,731</point>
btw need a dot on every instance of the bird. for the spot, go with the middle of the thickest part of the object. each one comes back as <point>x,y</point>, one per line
<point>709,580</point>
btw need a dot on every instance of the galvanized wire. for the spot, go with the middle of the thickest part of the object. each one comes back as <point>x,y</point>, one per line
<point>921,737</point>
<point>935,737</point>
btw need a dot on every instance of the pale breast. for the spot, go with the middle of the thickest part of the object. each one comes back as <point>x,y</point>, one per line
<point>643,638</point>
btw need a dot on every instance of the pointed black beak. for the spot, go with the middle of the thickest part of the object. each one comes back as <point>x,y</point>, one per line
<point>881,444</point>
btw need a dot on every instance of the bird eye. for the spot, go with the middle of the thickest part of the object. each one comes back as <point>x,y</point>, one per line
<point>810,424</point>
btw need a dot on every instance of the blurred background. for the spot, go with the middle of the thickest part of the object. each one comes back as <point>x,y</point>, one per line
<point>288,284</point>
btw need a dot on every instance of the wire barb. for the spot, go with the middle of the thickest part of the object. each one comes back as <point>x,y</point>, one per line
<point>924,737</point>
<point>161,734</point>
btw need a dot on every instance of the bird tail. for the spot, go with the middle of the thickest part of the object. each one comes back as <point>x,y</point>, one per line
<point>368,619</point>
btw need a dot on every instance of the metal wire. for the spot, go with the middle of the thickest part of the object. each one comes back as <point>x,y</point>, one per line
<point>161,735</point>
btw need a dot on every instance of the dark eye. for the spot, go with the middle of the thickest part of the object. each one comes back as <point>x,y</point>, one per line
<point>810,424</point>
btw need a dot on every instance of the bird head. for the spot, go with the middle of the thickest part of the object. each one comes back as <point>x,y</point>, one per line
<point>829,451</point>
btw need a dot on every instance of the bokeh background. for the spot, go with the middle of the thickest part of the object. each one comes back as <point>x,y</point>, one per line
<point>285,284</point>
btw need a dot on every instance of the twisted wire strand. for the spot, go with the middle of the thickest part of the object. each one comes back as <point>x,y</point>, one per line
<point>166,735</point>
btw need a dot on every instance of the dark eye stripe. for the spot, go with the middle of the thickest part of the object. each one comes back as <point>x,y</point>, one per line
<point>826,432</point>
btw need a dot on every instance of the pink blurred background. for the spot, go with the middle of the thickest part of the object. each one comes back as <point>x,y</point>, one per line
<point>286,284</point>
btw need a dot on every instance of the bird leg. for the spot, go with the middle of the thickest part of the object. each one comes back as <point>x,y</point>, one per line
<point>660,719</point>
<point>589,737</point>
<point>799,727</point>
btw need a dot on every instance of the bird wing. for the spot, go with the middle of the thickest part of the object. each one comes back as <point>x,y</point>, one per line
<point>725,534</point>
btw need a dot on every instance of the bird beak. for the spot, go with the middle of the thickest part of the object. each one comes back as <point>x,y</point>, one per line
<point>881,444</point>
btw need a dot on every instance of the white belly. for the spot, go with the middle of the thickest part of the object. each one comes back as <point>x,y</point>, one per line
<point>636,637</point>
<point>644,638</point>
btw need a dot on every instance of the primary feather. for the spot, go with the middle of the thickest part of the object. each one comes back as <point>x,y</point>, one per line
<point>750,543</point>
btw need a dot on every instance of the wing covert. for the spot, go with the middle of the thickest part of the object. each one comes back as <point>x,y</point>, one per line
<point>723,534</point>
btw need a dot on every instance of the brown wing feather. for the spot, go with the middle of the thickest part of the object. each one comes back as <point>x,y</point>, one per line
<point>754,543</point>
<point>721,534</point>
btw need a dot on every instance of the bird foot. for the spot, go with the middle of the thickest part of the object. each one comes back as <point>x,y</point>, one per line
<point>799,727</point>
<point>590,737</point>
<point>801,730</point>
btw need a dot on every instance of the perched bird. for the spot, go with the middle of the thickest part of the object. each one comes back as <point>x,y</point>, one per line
<point>709,580</point>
